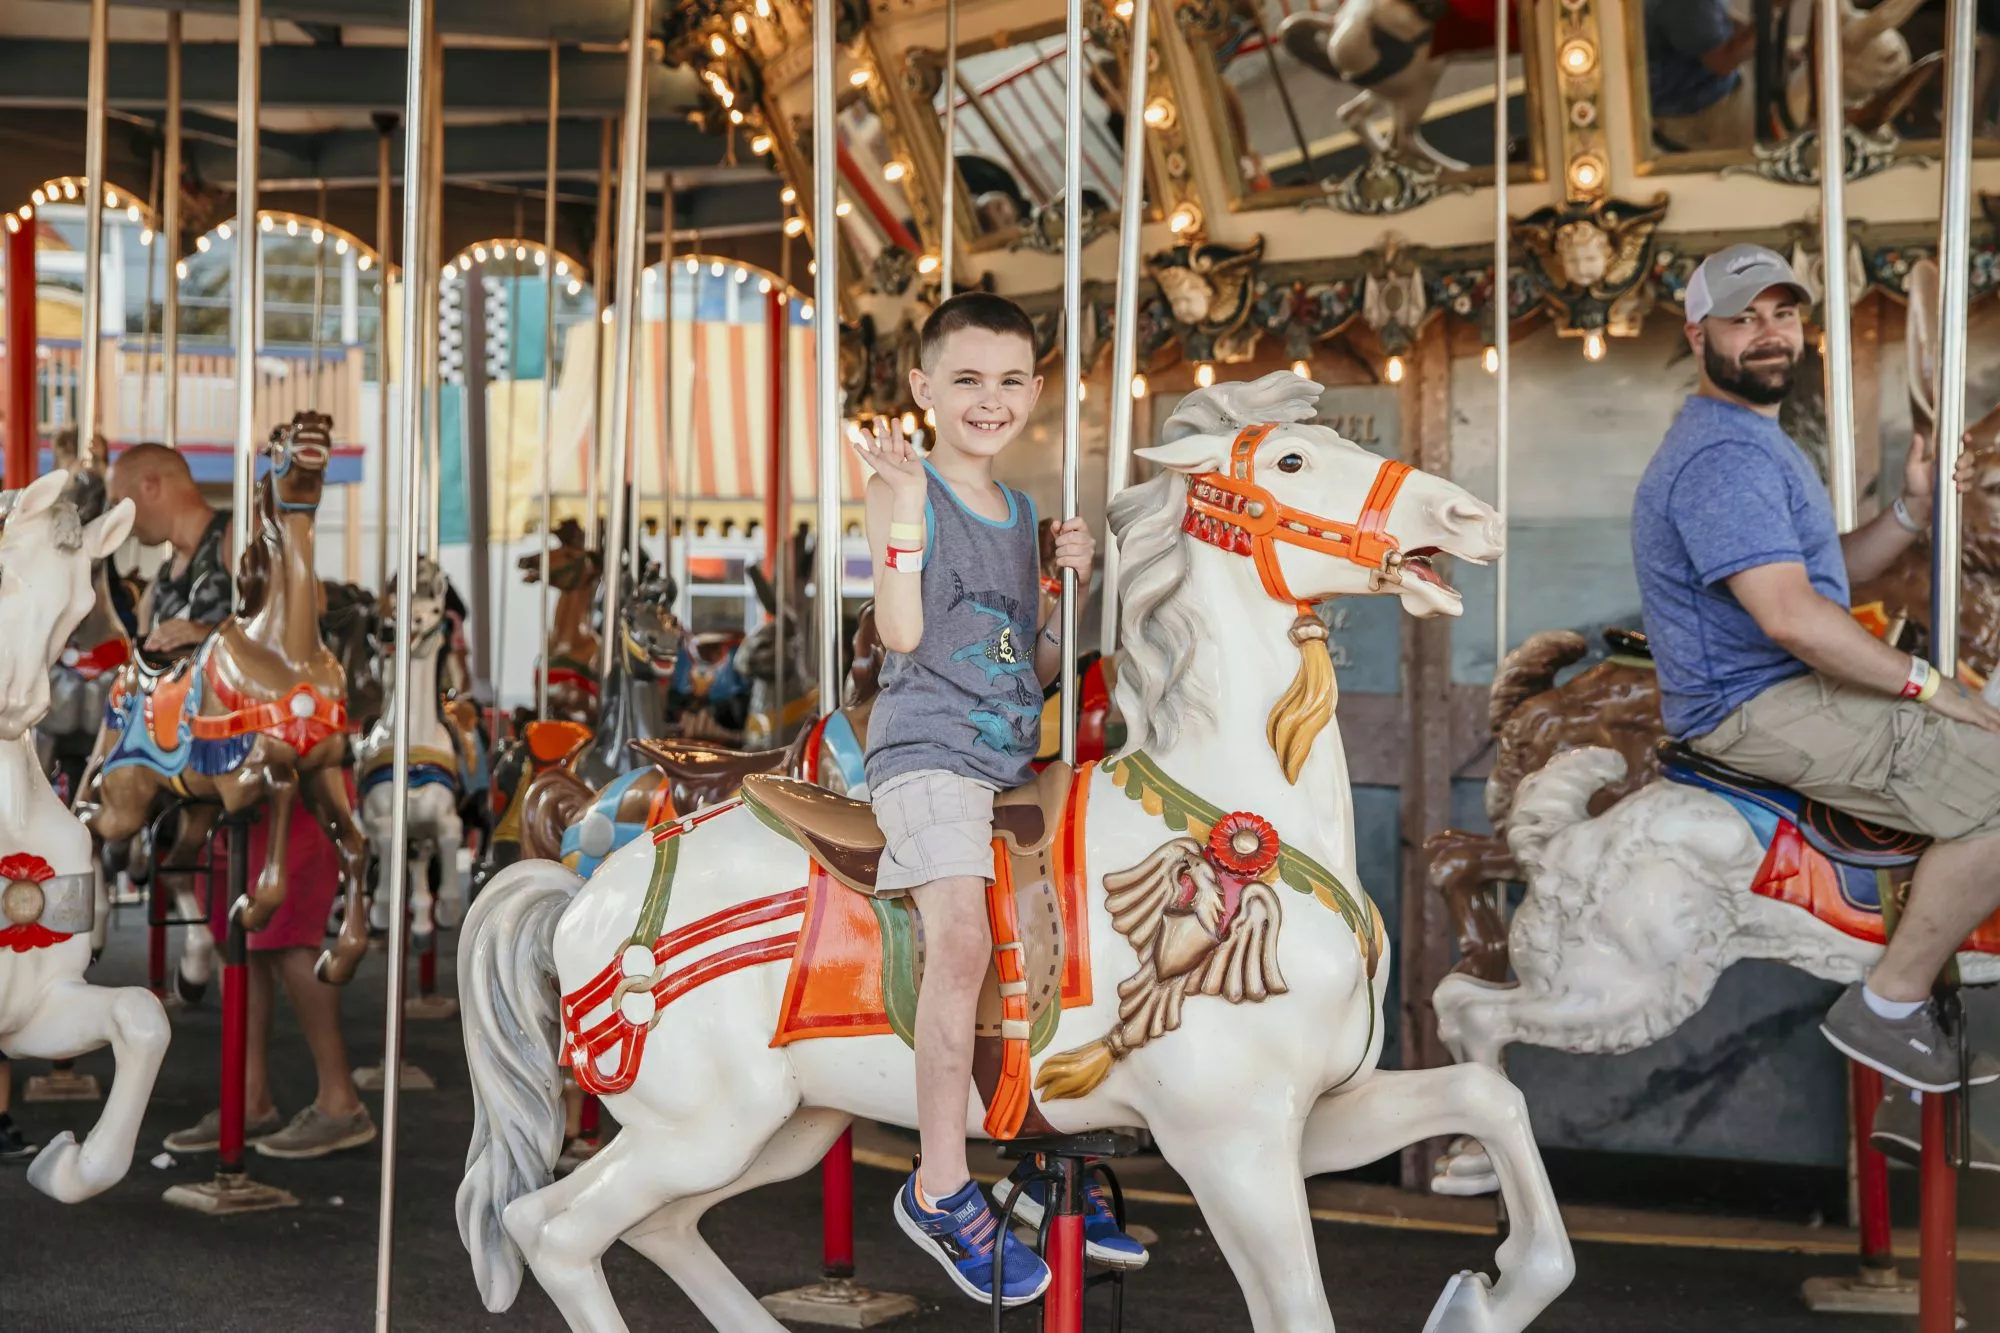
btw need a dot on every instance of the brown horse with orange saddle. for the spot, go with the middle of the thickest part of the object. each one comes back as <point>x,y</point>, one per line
<point>573,646</point>
<point>256,714</point>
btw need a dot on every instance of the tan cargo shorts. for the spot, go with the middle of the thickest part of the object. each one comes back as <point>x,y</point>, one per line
<point>1894,761</point>
<point>935,825</point>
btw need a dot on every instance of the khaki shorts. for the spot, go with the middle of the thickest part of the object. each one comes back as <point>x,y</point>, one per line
<point>935,825</point>
<point>1728,122</point>
<point>1893,761</point>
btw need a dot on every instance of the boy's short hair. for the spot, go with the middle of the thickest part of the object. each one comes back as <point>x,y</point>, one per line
<point>973,310</point>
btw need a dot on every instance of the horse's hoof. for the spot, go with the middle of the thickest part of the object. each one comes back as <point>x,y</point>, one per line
<point>189,992</point>
<point>450,912</point>
<point>1465,1170</point>
<point>57,1170</point>
<point>1465,1307</point>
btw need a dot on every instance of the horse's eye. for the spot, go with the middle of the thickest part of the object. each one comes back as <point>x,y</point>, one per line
<point>1292,463</point>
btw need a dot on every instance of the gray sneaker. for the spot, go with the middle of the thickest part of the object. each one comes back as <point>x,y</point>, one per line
<point>1898,1134</point>
<point>1914,1051</point>
<point>313,1133</point>
<point>205,1134</point>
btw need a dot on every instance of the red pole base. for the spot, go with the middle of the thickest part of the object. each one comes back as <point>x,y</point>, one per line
<point>1937,1267</point>
<point>1062,1307</point>
<point>235,1054</point>
<point>427,968</point>
<point>1871,1171</point>
<point>836,1183</point>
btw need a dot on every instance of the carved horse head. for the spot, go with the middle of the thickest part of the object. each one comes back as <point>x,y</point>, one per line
<point>648,635</point>
<point>46,557</point>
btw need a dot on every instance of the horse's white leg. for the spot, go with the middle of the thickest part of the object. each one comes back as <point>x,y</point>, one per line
<point>375,822</point>
<point>672,1238</point>
<point>72,1019</point>
<point>450,836</point>
<point>1356,113</point>
<point>420,851</point>
<point>197,961</point>
<point>645,1167</point>
<point>1253,1196</point>
<point>1392,1108</point>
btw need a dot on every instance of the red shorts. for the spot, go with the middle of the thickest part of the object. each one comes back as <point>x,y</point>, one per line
<point>312,883</point>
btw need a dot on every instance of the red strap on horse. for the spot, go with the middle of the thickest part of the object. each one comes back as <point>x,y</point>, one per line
<point>302,719</point>
<point>1236,514</point>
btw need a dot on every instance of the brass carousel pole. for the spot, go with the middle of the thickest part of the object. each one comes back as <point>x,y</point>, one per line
<point>90,373</point>
<point>319,297</point>
<point>631,239</point>
<point>419,166</point>
<point>1125,322</point>
<point>1072,334</point>
<point>384,217</point>
<point>433,378</point>
<point>600,290</point>
<point>1502,331</point>
<point>248,95</point>
<point>170,227</point>
<point>1938,1245</point>
<point>548,378</point>
<point>1838,356</point>
<point>948,241</point>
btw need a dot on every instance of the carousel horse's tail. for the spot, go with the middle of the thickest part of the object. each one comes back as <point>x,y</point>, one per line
<point>507,993</point>
<point>1558,798</point>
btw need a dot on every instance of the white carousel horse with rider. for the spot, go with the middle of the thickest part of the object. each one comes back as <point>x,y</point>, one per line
<point>1240,972</point>
<point>433,828</point>
<point>48,873</point>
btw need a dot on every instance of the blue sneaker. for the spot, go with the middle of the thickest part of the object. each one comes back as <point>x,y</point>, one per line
<point>960,1236</point>
<point>1103,1241</point>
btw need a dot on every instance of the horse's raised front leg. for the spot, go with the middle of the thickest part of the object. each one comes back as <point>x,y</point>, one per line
<point>1394,1108</point>
<point>268,893</point>
<point>324,790</point>
<point>672,1237</point>
<point>73,1019</point>
<point>645,1168</point>
<point>1253,1196</point>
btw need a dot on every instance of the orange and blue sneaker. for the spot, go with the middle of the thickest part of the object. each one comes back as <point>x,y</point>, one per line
<point>960,1234</point>
<point>1104,1241</point>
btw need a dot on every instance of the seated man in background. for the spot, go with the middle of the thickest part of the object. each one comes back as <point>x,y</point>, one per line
<point>1744,579</point>
<point>1700,98</point>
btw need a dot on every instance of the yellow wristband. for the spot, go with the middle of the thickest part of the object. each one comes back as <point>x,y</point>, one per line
<point>1932,683</point>
<point>906,532</point>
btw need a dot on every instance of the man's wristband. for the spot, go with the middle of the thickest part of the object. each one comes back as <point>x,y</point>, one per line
<point>1922,682</point>
<point>1905,519</point>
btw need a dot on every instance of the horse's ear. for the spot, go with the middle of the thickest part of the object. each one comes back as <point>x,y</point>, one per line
<point>767,596</point>
<point>38,495</point>
<point>1190,453</point>
<point>108,531</point>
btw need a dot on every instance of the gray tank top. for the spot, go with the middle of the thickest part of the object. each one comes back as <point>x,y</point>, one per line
<point>967,700</point>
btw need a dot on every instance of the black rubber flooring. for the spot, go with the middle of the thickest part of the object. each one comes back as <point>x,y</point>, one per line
<point>126,1261</point>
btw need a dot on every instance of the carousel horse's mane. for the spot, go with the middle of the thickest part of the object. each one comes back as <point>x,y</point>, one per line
<point>65,520</point>
<point>253,567</point>
<point>1224,409</point>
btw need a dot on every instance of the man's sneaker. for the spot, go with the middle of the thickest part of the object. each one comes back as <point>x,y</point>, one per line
<point>1915,1051</point>
<point>205,1134</point>
<point>1899,1134</point>
<point>1104,1241</point>
<point>960,1234</point>
<point>314,1133</point>
<point>14,1146</point>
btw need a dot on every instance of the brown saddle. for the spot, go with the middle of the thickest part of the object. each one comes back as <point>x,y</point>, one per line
<point>841,833</point>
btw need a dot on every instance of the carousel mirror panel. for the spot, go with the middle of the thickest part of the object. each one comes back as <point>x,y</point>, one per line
<point>878,226</point>
<point>1727,83</point>
<point>1009,150</point>
<point>1372,106</point>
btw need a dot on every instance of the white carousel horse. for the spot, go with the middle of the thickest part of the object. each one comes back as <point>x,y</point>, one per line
<point>1246,1029</point>
<point>433,828</point>
<point>47,1010</point>
<point>1631,918</point>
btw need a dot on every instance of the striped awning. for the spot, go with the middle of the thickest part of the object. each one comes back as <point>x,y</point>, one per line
<point>722,418</point>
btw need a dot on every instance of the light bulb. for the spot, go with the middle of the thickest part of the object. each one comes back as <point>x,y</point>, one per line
<point>764,286</point>
<point>806,312</point>
<point>464,263</point>
<point>340,245</point>
<point>652,275</point>
<point>735,116</point>
<point>694,265</point>
<point>928,264</point>
<point>795,226</point>
<point>717,45</point>
<point>69,189</point>
<point>146,236</point>
<point>860,76</point>
<point>1204,374</point>
<point>319,236</point>
<point>181,270</point>
<point>1123,9</point>
<point>842,209</point>
<point>909,423</point>
<point>760,144</point>
<point>201,244</point>
<point>1393,372</point>
<point>894,170</point>
<point>264,223</point>
<point>562,268</point>
<point>1302,369</point>
<point>1593,346</point>
<point>1490,359</point>
<point>1159,113</point>
<point>364,263</point>
<point>111,198</point>
<point>520,253</point>
<point>291,226</point>
<point>132,213</point>
<point>13,224</point>
<point>741,24</point>
<point>742,274</point>
<point>574,286</point>
<point>788,195</point>
<point>715,269</point>
<point>223,231</point>
<point>763,9</point>
<point>39,198</point>
<point>1138,386</point>
<point>930,418</point>
<point>479,253</point>
<point>1082,391</point>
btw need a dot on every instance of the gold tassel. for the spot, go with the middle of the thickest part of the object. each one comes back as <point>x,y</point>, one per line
<point>1075,1073</point>
<point>1299,717</point>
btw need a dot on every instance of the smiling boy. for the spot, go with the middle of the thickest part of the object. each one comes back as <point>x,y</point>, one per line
<point>958,719</point>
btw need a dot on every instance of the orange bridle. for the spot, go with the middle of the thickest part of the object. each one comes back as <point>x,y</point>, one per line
<point>1233,512</point>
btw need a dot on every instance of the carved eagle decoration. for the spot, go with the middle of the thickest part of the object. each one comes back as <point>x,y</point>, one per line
<point>1197,930</point>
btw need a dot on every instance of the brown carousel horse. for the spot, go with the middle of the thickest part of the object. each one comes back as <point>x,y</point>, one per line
<point>257,714</point>
<point>573,646</point>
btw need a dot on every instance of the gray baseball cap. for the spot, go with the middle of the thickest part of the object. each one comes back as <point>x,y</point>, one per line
<point>1729,280</point>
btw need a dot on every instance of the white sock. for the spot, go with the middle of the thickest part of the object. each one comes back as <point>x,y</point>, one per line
<point>1882,1008</point>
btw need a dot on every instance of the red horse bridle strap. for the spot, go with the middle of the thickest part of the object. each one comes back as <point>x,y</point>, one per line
<point>1233,512</point>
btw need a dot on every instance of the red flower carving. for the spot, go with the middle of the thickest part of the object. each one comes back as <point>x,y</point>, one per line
<point>25,865</point>
<point>1243,844</point>
<point>31,934</point>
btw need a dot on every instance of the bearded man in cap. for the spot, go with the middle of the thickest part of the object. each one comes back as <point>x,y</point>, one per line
<point>1744,579</point>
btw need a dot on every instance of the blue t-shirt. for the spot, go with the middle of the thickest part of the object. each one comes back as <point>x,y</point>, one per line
<point>1678,34</point>
<point>1727,491</point>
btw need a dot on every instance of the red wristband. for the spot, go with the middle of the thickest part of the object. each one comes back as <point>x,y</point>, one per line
<point>1920,675</point>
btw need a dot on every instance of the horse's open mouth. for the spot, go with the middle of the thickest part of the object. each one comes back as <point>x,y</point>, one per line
<point>311,455</point>
<point>1418,562</point>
